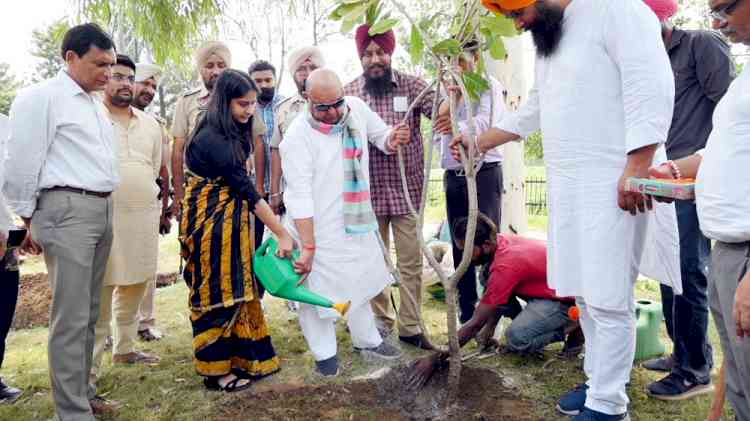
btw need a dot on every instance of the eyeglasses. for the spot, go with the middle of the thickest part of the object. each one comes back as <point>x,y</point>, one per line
<point>122,78</point>
<point>321,108</point>
<point>723,14</point>
<point>515,14</point>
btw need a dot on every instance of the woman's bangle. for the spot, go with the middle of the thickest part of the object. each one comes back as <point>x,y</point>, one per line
<point>676,173</point>
<point>310,247</point>
<point>276,194</point>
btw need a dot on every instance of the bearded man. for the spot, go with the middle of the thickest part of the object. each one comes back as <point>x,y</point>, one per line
<point>147,77</point>
<point>302,62</point>
<point>211,59</point>
<point>603,98</point>
<point>389,93</point>
<point>131,268</point>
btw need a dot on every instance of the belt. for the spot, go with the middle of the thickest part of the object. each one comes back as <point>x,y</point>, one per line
<point>76,190</point>
<point>461,173</point>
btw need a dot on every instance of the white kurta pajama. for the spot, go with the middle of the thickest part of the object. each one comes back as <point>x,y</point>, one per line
<point>606,91</point>
<point>345,267</point>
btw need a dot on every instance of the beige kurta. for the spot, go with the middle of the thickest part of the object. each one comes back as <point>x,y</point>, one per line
<point>135,247</point>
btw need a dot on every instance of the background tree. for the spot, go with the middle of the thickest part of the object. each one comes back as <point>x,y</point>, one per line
<point>8,87</point>
<point>45,46</point>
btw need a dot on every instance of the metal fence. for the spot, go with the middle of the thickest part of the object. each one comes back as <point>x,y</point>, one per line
<point>536,195</point>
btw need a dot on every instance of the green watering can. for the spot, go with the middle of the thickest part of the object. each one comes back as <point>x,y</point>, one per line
<point>648,343</point>
<point>278,277</point>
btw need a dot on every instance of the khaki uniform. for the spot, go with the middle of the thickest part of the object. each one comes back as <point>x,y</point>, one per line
<point>286,111</point>
<point>192,105</point>
<point>132,263</point>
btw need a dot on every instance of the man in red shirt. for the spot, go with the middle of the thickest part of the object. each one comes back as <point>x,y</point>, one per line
<point>518,270</point>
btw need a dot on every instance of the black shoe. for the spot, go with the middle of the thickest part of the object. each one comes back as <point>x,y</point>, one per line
<point>419,340</point>
<point>588,414</point>
<point>9,394</point>
<point>664,364</point>
<point>675,388</point>
<point>329,367</point>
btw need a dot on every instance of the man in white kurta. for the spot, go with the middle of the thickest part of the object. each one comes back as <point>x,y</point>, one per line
<point>132,262</point>
<point>603,98</point>
<point>342,267</point>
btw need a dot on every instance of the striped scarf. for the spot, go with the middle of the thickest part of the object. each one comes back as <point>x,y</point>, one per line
<point>359,218</point>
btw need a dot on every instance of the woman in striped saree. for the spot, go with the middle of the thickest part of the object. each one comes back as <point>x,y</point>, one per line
<point>230,339</point>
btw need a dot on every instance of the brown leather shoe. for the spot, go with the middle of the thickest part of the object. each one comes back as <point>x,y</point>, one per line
<point>135,357</point>
<point>104,407</point>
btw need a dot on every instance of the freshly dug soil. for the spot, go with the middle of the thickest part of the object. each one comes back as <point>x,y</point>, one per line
<point>35,298</point>
<point>482,397</point>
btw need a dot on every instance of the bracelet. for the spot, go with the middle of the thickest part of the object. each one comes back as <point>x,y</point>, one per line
<point>676,173</point>
<point>276,194</point>
<point>310,247</point>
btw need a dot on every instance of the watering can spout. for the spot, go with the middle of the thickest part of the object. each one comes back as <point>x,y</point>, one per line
<point>342,308</point>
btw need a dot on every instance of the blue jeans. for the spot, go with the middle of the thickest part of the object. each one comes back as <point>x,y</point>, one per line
<point>686,315</point>
<point>535,326</point>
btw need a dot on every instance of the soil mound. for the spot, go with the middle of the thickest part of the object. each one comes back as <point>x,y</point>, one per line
<point>482,397</point>
<point>35,299</point>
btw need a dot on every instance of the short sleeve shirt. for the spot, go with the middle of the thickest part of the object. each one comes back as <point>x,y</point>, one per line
<point>193,104</point>
<point>286,111</point>
<point>519,269</point>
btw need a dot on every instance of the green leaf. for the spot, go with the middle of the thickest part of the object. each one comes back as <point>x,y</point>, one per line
<point>382,26</point>
<point>347,26</point>
<point>475,84</point>
<point>416,46</point>
<point>498,25</point>
<point>345,7</point>
<point>497,48</point>
<point>449,47</point>
<point>373,12</point>
<point>355,11</point>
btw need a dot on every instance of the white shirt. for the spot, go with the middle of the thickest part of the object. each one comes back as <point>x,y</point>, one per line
<point>606,91</point>
<point>59,136</point>
<point>490,108</point>
<point>5,217</point>
<point>723,184</point>
<point>346,267</point>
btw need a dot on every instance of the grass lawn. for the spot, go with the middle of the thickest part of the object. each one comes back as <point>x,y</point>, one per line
<point>172,391</point>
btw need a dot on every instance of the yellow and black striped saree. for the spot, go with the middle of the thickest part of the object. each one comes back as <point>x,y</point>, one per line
<point>229,330</point>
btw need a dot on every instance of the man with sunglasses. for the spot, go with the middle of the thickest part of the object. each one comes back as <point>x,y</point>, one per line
<point>721,195</point>
<point>325,160</point>
<point>389,93</point>
<point>703,69</point>
<point>603,96</point>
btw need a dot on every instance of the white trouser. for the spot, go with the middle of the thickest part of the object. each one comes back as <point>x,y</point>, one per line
<point>320,333</point>
<point>609,353</point>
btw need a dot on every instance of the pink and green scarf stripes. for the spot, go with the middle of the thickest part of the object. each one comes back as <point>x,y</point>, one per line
<point>359,218</point>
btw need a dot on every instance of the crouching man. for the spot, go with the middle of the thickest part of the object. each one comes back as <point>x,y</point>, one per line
<point>518,269</point>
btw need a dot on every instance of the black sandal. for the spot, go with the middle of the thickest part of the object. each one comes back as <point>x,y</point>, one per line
<point>212,383</point>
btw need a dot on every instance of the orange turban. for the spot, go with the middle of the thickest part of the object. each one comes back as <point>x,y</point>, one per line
<point>498,6</point>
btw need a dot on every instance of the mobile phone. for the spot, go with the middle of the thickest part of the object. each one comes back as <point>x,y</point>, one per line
<point>16,237</point>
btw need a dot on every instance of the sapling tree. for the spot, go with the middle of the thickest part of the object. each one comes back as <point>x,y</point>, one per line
<point>436,41</point>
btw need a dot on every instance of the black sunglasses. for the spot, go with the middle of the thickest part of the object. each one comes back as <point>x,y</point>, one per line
<point>321,108</point>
